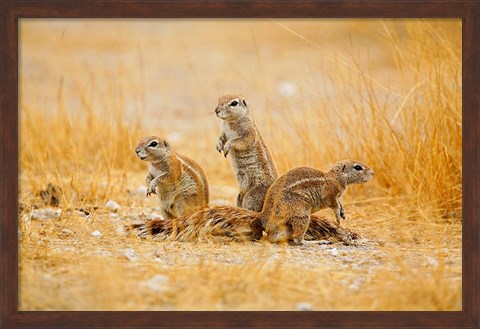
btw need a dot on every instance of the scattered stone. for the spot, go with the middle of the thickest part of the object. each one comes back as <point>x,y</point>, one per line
<point>66,231</point>
<point>432,261</point>
<point>121,230</point>
<point>96,234</point>
<point>158,283</point>
<point>45,214</point>
<point>130,254</point>
<point>334,252</point>
<point>112,205</point>
<point>353,286</point>
<point>303,306</point>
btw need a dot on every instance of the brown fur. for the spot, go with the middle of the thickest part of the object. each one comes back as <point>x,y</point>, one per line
<point>179,181</point>
<point>251,160</point>
<point>287,212</point>
<point>298,193</point>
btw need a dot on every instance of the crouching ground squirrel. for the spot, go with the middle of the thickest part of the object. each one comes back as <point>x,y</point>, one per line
<point>287,212</point>
<point>179,181</point>
<point>299,192</point>
<point>250,157</point>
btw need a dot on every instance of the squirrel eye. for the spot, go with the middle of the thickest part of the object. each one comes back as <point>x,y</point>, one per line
<point>234,103</point>
<point>357,167</point>
<point>153,144</point>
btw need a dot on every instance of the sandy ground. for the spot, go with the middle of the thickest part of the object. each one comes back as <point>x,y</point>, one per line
<point>87,263</point>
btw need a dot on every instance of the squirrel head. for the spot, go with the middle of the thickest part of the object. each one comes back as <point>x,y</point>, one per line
<point>232,107</point>
<point>353,172</point>
<point>152,148</point>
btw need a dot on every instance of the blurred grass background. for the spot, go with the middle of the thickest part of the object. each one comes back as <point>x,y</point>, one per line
<point>384,92</point>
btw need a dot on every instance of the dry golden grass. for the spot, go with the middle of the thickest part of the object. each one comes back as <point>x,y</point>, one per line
<point>384,92</point>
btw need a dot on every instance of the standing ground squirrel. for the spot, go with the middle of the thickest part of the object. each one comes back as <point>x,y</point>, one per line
<point>286,214</point>
<point>179,181</point>
<point>301,191</point>
<point>251,160</point>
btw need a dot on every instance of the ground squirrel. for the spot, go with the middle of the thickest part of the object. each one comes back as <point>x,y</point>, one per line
<point>251,160</point>
<point>287,212</point>
<point>301,191</point>
<point>179,181</point>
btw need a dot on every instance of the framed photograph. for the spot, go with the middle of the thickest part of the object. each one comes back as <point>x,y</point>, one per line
<point>240,163</point>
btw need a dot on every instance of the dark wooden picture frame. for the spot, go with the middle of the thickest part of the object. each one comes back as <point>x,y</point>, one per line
<point>11,11</point>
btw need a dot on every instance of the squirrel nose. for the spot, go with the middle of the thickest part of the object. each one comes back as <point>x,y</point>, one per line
<point>217,109</point>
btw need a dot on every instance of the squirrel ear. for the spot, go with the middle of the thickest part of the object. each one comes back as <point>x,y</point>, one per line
<point>343,168</point>
<point>166,143</point>
<point>244,102</point>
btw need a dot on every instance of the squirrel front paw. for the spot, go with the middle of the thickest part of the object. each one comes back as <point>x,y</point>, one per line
<point>220,145</point>
<point>226,148</point>
<point>151,190</point>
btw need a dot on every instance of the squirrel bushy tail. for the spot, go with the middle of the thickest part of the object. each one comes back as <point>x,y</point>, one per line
<point>227,221</point>
<point>230,222</point>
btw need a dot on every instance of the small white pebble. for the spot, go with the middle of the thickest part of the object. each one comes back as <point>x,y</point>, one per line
<point>353,286</point>
<point>158,283</point>
<point>334,252</point>
<point>66,231</point>
<point>303,306</point>
<point>96,234</point>
<point>112,205</point>
<point>45,214</point>
<point>432,261</point>
<point>121,231</point>
<point>130,254</point>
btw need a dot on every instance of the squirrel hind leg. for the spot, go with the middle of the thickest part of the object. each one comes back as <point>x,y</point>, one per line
<point>257,229</point>
<point>298,225</point>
